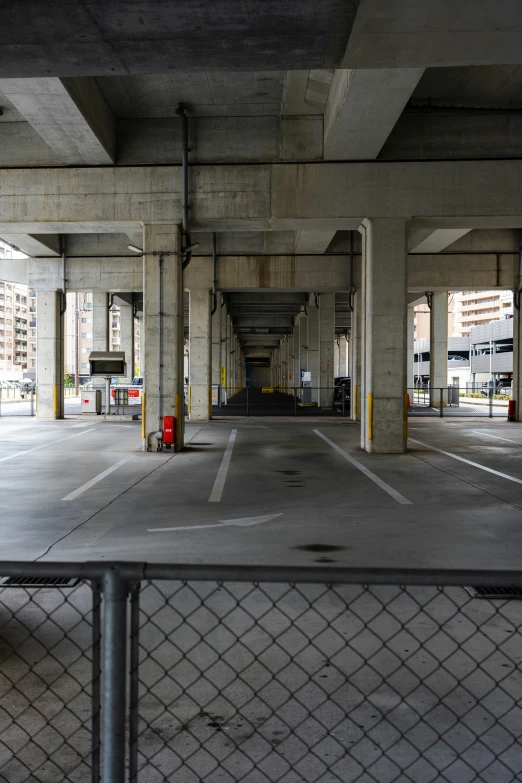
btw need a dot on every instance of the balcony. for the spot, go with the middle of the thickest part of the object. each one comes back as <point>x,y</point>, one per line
<point>32,324</point>
<point>32,309</point>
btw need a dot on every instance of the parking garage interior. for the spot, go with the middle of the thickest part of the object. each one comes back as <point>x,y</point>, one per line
<point>294,499</point>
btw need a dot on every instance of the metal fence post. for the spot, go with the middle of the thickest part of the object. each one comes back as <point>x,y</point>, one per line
<point>491,403</point>
<point>441,403</point>
<point>134,683</point>
<point>114,648</point>
<point>295,401</point>
<point>96,682</point>
<point>247,408</point>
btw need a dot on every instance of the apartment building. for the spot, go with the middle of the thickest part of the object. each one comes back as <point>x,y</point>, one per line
<point>79,330</point>
<point>17,326</point>
<point>475,308</point>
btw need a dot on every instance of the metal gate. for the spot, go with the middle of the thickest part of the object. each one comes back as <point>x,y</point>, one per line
<point>452,402</point>
<point>18,401</point>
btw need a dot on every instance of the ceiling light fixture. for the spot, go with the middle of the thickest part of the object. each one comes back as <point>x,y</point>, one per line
<point>135,249</point>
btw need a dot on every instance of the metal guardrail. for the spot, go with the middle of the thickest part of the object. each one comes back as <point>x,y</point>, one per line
<point>455,402</point>
<point>210,673</point>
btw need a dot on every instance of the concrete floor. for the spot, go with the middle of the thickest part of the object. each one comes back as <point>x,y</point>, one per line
<point>459,515</point>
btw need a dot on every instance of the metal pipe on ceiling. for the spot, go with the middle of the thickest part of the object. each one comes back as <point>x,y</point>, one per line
<point>180,111</point>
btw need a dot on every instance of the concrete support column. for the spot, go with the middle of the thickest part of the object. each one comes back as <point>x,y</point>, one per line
<point>224,358</point>
<point>216,346</point>
<point>438,347</point>
<point>100,335</point>
<point>230,358</point>
<point>517,362</point>
<point>337,358</point>
<point>356,356</point>
<point>343,356</point>
<point>127,339</point>
<point>296,365</point>
<point>326,348</point>
<point>49,355</point>
<point>313,348</point>
<point>385,279</point>
<point>410,370</point>
<point>200,354</point>
<point>164,332</point>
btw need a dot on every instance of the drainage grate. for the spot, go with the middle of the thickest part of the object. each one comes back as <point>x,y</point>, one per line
<point>504,593</point>
<point>42,581</point>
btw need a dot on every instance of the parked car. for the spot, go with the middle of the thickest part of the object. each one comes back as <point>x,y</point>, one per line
<point>342,389</point>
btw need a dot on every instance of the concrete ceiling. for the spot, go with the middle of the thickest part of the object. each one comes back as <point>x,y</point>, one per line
<point>100,37</point>
<point>478,86</point>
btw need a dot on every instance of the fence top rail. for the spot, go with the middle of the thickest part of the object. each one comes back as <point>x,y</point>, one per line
<point>137,572</point>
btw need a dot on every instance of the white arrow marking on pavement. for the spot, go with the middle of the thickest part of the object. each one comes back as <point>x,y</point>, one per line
<point>245,522</point>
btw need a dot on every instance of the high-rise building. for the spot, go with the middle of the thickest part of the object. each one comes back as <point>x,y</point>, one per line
<point>475,308</point>
<point>17,326</point>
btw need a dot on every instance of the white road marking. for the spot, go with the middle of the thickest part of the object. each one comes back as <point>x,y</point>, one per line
<point>469,462</point>
<point>93,481</point>
<point>219,483</point>
<point>43,446</point>
<point>380,483</point>
<point>497,437</point>
<point>245,522</point>
<point>76,426</point>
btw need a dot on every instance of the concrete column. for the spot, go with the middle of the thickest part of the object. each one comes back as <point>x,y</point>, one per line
<point>200,354</point>
<point>356,356</point>
<point>296,367</point>
<point>127,339</point>
<point>216,346</point>
<point>303,344</point>
<point>326,348</point>
<point>517,362</point>
<point>100,335</point>
<point>337,358</point>
<point>343,356</point>
<point>164,331</point>
<point>313,348</point>
<point>49,355</point>
<point>385,275</point>
<point>223,375</point>
<point>438,346</point>
<point>410,371</point>
<point>230,358</point>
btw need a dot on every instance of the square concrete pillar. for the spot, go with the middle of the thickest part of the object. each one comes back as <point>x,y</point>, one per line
<point>127,339</point>
<point>49,355</point>
<point>216,345</point>
<point>230,357</point>
<point>438,347</point>
<point>326,348</point>
<point>200,354</point>
<point>296,365</point>
<point>356,357</point>
<point>223,375</point>
<point>312,343</point>
<point>100,335</point>
<point>303,345</point>
<point>337,358</point>
<point>517,363</point>
<point>385,307</point>
<point>410,367</point>
<point>164,330</point>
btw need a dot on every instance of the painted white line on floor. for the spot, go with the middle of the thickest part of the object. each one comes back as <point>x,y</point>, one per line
<point>219,483</point>
<point>469,462</point>
<point>245,522</point>
<point>44,446</point>
<point>77,426</point>
<point>380,483</point>
<point>497,437</point>
<point>93,481</point>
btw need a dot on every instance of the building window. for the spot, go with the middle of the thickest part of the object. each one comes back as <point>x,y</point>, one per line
<point>86,320</point>
<point>85,365</point>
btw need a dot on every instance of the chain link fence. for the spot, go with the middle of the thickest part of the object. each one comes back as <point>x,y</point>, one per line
<point>258,675</point>
<point>280,401</point>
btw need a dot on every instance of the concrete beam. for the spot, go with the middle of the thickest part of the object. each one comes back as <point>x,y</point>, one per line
<point>439,240</point>
<point>302,197</point>
<point>405,34</point>
<point>315,242</point>
<point>70,115</point>
<point>362,109</point>
<point>13,270</point>
<point>37,245</point>
<point>98,275</point>
<point>459,271</point>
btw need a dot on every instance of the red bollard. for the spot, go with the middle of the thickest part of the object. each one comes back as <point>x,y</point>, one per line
<point>512,410</point>
<point>409,403</point>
